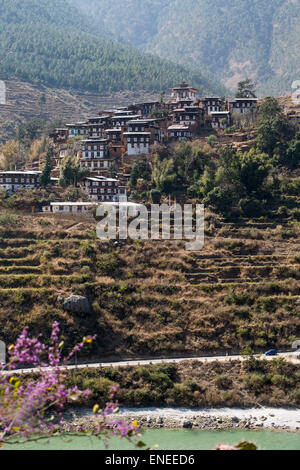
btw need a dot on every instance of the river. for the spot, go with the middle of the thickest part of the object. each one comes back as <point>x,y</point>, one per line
<point>168,439</point>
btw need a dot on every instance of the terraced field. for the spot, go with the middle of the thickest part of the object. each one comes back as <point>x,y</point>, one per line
<point>23,104</point>
<point>153,297</point>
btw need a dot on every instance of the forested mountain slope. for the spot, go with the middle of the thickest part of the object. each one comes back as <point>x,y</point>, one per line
<point>229,39</point>
<point>52,43</point>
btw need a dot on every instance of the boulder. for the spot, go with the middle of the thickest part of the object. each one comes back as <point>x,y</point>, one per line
<point>77,304</point>
<point>187,424</point>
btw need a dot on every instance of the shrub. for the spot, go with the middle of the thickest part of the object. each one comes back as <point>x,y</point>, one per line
<point>212,140</point>
<point>255,381</point>
<point>7,219</point>
<point>155,196</point>
<point>107,264</point>
<point>86,248</point>
<point>283,211</point>
<point>282,381</point>
<point>250,207</point>
<point>223,381</point>
<point>296,396</point>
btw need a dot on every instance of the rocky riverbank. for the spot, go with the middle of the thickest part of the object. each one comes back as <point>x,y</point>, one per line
<point>201,419</point>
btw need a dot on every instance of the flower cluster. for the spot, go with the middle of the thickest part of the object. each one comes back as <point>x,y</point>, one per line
<point>33,407</point>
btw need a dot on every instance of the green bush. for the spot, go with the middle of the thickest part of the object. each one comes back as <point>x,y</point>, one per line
<point>255,381</point>
<point>7,219</point>
<point>155,196</point>
<point>282,381</point>
<point>223,382</point>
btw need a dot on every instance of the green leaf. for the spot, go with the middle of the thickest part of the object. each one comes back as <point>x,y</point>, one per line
<point>141,444</point>
<point>246,446</point>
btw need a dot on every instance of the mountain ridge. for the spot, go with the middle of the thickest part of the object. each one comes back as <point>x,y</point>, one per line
<point>51,43</point>
<point>228,40</point>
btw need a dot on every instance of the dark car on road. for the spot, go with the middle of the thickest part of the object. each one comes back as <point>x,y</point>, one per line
<point>271,352</point>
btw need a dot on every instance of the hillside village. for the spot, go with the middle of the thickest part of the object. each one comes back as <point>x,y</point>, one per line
<point>153,298</point>
<point>149,226</point>
<point>108,145</point>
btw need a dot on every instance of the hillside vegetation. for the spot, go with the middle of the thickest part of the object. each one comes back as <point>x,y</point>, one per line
<point>23,104</point>
<point>231,40</point>
<point>52,43</point>
<point>196,384</point>
<point>153,297</point>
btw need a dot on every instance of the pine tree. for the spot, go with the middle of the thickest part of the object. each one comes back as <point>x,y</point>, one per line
<point>45,178</point>
<point>71,172</point>
<point>246,89</point>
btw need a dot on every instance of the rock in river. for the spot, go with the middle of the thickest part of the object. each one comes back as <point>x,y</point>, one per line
<point>187,424</point>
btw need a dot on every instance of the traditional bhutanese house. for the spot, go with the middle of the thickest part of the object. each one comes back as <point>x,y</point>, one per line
<point>94,148</point>
<point>178,132</point>
<point>138,142</point>
<point>85,207</point>
<point>161,129</point>
<point>95,155</point>
<point>60,135</point>
<point>211,104</point>
<point>188,116</point>
<point>78,129</point>
<point>124,111</point>
<point>97,126</point>
<point>70,207</point>
<point>109,112</point>
<point>116,150</point>
<point>114,135</point>
<point>243,105</point>
<point>15,180</point>
<point>102,189</point>
<point>220,119</point>
<point>156,128</point>
<point>184,91</point>
<point>145,109</point>
<point>60,154</point>
<point>115,142</point>
<point>122,120</point>
<point>182,103</point>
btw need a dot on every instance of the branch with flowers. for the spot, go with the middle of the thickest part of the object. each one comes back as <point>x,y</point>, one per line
<point>32,410</point>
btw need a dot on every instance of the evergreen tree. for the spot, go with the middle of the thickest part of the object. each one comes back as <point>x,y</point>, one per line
<point>134,175</point>
<point>45,178</point>
<point>71,172</point>
<point>246,89</point>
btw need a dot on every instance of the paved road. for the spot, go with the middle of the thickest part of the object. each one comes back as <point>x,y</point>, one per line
<point>290,356</point>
